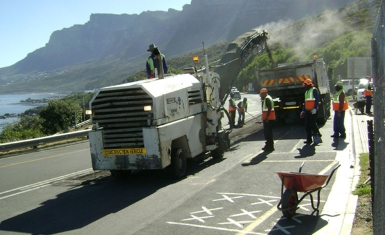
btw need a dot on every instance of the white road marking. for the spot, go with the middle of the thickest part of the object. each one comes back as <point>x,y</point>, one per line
<point>249,195</point>
<point>200,219</point>
<point>279,227</point>
<point>38,185</point>
<point>208,211</point>
<point>225,197</point>
<point>303,207</point>
<point>258,221</point>
<point>294,218</point>
<point>295,149</point>
<point>236,223</point>
<point>245,212</point>
<point>215,228</point>
<point>264,202</point>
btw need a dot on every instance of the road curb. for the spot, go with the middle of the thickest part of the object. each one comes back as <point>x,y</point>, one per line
<point>340,206</point>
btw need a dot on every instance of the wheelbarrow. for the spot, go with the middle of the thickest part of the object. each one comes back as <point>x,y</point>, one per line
<point>295,182</point>
<point>359,105</point>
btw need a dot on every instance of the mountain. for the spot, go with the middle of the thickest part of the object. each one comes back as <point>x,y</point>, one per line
<point>108,48</point>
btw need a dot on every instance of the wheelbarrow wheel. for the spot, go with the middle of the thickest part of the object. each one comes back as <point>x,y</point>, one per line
<point>289,203</point>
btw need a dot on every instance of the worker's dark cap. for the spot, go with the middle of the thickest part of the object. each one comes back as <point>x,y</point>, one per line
<point>151,47</point>
<point>339,83</point>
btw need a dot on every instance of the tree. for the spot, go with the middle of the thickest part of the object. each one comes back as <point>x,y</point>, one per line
<point>28,127</point>
<point>58,115</point>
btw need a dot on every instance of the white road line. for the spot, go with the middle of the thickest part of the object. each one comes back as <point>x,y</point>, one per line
<point>42,184</point>
<point>258,221</point>
<point>215,228</point>
<point>270,212</point>
<point>295,148</point>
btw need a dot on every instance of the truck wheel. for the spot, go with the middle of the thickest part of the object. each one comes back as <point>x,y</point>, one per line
<point>120,174</point>
<point>178,163</point>
<point>217,153</point>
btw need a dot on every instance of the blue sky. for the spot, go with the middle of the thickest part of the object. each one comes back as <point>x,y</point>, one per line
<point>26,25</point>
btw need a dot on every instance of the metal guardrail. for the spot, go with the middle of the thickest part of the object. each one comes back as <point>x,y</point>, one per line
<point>86,122</point>
<point>43,140</point>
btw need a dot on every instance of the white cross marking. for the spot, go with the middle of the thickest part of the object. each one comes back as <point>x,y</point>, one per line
<point>208,211</point>
<point>279,227</point>
<point>303,207</point>
<point>225,197</point>
<point>237,223</point>
<point>200,219</point>
<point>264,201</point>
<point>245,212</point>
<point>293,218</point>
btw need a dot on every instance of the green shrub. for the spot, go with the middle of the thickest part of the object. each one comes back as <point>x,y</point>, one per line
<point>362,188</point>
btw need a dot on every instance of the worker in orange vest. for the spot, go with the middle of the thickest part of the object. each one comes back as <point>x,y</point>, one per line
<point>232,110</point>
<point>309,111</point>
<point>242,108</point>
<point>340,105</point>
<point>268,116</point>
<point>368,96</point>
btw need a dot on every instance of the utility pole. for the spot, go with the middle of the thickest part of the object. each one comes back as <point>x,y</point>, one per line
<point>83,103</point>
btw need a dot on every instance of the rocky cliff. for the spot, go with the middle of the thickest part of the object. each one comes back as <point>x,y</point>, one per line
<point>175,32</point>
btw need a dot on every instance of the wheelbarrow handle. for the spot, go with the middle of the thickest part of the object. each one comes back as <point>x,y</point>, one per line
<point>330,176</point>
<point>300,168</point>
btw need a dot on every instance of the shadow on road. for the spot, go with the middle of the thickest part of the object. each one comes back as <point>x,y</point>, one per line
<point>306,151</point>
<point>299,224</point>
<point>339,144</point>
<point>88,201</point>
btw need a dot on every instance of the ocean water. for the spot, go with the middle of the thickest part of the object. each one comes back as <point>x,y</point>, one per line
<point>11,104</point>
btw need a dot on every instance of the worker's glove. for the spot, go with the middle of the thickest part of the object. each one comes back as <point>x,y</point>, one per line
<point>302,114</point>
<point>314,111</point>
<point>152,75</point>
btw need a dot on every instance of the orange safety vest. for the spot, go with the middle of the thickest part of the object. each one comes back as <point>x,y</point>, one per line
<point>265,109</point>
<point>368,93</point>
<point>232,107</point>
<point>242,107</point>
<point>336,102</point>
<point>309,99</point>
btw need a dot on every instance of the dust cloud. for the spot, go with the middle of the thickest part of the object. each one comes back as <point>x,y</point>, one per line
<point>309,33</point>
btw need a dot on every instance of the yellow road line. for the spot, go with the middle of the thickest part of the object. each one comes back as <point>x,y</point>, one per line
<point>257,222</point>
<point>39,159</point>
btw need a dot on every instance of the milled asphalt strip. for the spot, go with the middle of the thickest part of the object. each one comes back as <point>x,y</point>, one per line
<point>31,187</point>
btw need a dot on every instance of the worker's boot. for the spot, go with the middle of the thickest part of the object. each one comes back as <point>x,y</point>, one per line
<point>265,146</point>
<point>269,147</point>
<point>308,140</point>
<point>317,139</point>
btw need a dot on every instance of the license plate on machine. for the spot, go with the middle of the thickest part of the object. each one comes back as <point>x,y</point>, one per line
<point>108,152</point>
<point>291,103</point>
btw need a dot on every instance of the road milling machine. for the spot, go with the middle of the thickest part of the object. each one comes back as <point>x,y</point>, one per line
<point>159,123</point>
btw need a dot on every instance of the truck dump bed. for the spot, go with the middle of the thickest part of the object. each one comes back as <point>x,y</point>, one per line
<point>284,84</point>
<point>290,76</point>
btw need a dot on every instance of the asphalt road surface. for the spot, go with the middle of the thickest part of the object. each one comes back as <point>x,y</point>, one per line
<point>53,192</point>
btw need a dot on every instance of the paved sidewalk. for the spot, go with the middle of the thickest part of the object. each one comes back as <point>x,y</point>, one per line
<point>340,206</point>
